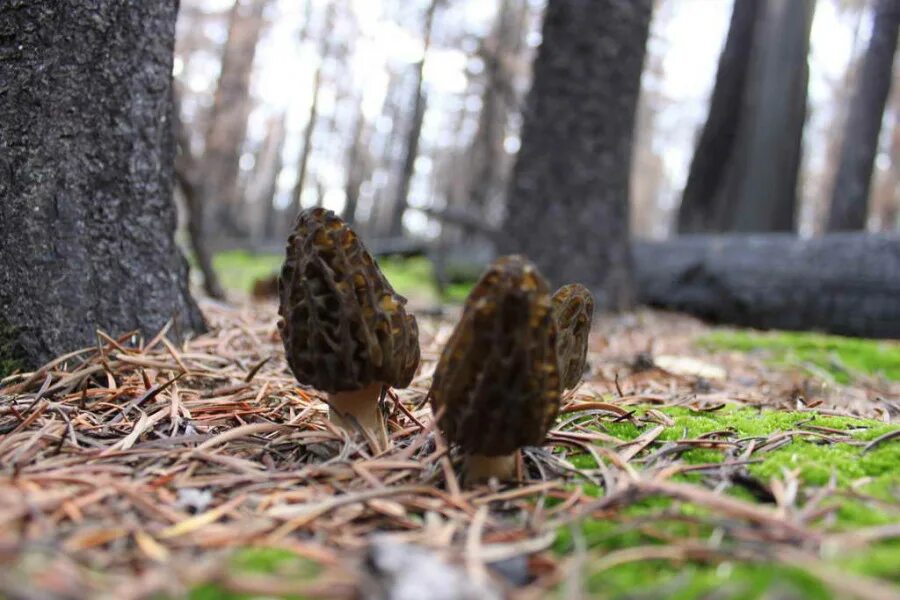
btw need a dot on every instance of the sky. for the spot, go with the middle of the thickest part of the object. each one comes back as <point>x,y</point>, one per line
<point>688,38</point>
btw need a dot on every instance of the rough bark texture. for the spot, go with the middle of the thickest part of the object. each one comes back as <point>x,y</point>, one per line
<point>227,126</point>
<point>850,196</point>
<point>567,207</point>
<point>86,153</point>
<point>759,187</point>
<point>841,283</point>
<point>718,137</point>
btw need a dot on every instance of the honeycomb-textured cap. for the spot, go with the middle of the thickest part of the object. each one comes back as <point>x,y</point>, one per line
<point>573,308</point>
<point>343,325</point>
<point>497,380</point>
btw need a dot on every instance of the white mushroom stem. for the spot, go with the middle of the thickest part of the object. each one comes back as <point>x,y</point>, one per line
<point>481,468</point>
<point>360,408</point>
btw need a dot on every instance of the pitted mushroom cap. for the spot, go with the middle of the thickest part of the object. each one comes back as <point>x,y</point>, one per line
<point>343,325</point>
<point>497,380</point>
<point>573,307</point>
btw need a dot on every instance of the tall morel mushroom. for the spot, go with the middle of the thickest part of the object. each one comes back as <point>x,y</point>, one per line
<point>345,330</point>
<point>573,309</point>
<point>496,385</point>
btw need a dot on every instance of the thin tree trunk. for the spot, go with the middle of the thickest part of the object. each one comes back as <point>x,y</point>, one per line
<point>357,168</point>
<point>759,189</point>
<point>849,200</point>
<point>567,208</point>
<point>227,126</point>
<point>717,140</point>
<point>415,131</point>
<point>303,161</point>
<point>309,130</point>
<point>263,186</point>
<point>186,172</point>
<point>86,170</point>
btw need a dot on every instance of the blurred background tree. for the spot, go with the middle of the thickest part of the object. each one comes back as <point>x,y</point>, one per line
<point>407,118</point>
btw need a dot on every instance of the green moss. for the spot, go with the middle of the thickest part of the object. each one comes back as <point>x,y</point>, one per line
<point>411,277</point>
<point>10,361</point>
<point>867,493</point>
<point>238,269</point>
<point>287,565</point>
<point>839,356</point>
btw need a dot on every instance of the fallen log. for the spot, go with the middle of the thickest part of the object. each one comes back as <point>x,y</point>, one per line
<point>845,283</point>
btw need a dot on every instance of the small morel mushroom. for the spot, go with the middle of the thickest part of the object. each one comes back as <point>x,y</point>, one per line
<point>496,386</point>
<point>573,309</point>
<point>345,330</point>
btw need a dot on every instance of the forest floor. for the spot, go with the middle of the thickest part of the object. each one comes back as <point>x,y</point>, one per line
<point>694,462</point>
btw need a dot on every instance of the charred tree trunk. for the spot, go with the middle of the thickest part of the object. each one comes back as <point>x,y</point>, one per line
<point>831,283</point>
<point>567,208</point>
<point>849,200</point>
<point>411,150</point>
<point>717,140</point>
<point>86,150</point>
<point>227,125</point>
<point>759,189</point>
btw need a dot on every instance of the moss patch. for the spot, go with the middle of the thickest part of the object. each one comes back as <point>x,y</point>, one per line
<point>10,361</point>
<point>839,356</point>
<point>283,563</point>
<point>411,277</point>
<point>867,493</point>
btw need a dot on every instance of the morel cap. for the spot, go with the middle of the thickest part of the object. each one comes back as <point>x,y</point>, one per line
<point>343,325</point>
<point>497,380</point>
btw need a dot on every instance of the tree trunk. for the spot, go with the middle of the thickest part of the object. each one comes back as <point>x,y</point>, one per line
<point>86,165</point>
<point>186,173</point>
<point>227,125</point>
<point>841,283</point>
<point>717,140</point>
<point>303,160</point>
<point>312,119</point>
<point>264,183</point>
<point>567,208</point>
<point>759,188</point>
<point>850,196</point>
<point>358,167</point>
<point>414,133</point>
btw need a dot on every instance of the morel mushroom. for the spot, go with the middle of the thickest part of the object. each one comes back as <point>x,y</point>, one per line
<point>496,385</point>
<point>345,330</point>
<point>573,309</point>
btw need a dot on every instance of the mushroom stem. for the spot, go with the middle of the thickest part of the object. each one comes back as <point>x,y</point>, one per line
<point>346,409</point>
<point>480,468</point>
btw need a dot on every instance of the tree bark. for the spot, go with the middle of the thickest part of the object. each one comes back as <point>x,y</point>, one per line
<point>567,208</point>
<point>86,168</point>
<point>849,200</point>
<point>717,140</point>
<point>759,188</point>
<point>840,283</point>
<point>227,125</point>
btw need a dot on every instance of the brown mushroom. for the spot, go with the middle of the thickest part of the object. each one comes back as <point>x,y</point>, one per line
<point>345,330</point>
<point>496,385</point>
<point>573,309</point>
